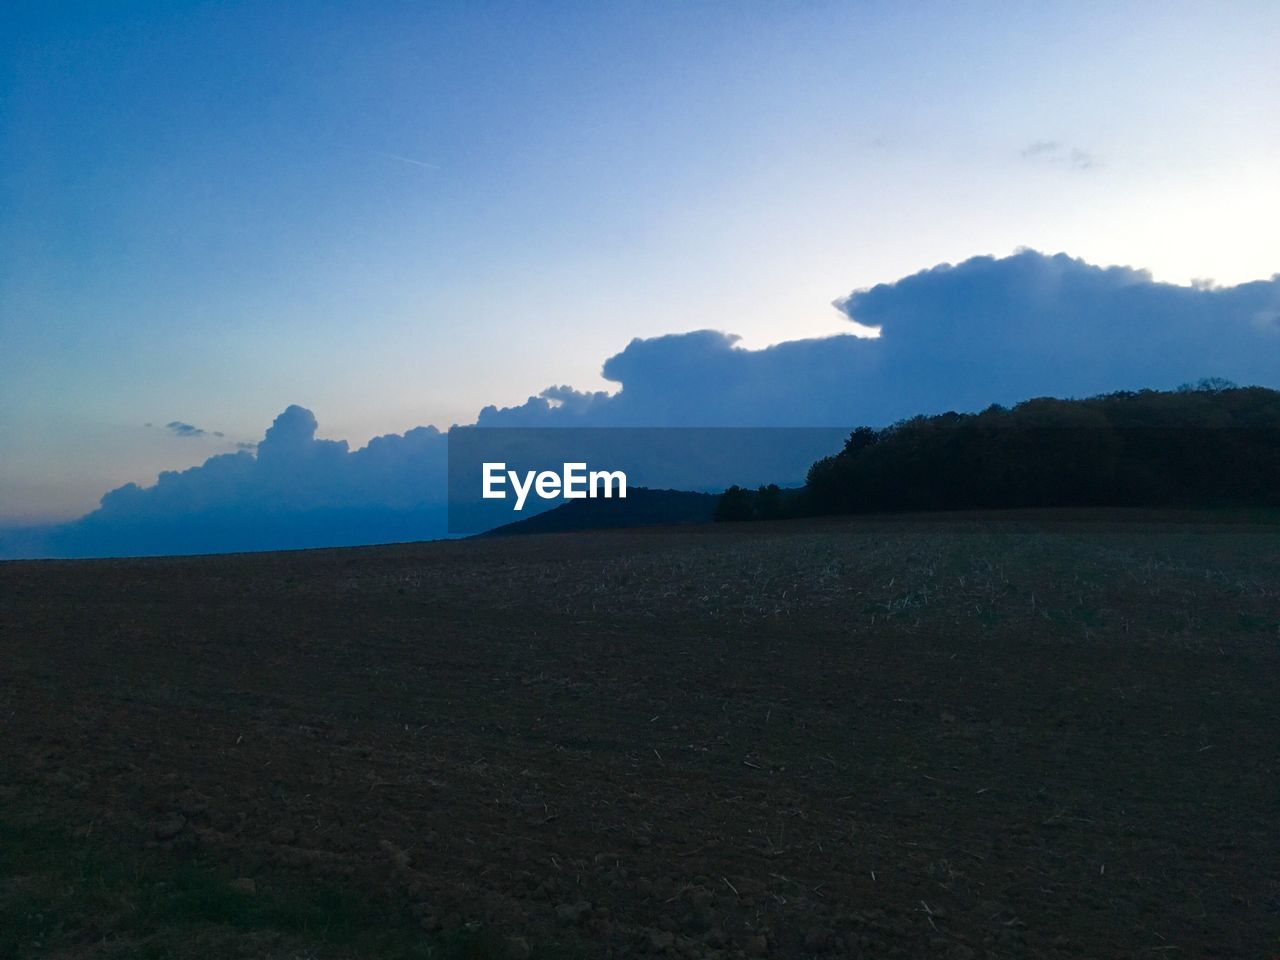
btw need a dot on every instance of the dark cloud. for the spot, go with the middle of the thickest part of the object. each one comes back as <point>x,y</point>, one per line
<point>180,429</point>
<point>183,429</point>
<point>956,337</point>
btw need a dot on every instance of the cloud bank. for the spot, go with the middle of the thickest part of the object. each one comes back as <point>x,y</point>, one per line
<point>956,337</point>
<point>297,491</point>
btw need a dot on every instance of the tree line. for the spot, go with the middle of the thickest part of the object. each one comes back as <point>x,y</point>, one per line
<point>1210,444</point>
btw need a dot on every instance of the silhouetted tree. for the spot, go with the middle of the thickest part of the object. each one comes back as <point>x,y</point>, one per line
<point>768,504</point>
<point>735,504</point>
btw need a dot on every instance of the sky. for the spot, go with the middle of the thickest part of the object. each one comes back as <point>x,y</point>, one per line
<point>396,215</point>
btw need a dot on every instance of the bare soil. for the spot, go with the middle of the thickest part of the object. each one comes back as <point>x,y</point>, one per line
<point>1054,736</point>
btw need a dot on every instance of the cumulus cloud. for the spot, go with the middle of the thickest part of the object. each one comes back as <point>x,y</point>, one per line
<point>959,337</point>
<point>298,491</point>
<point>704,379</point>
<point>988,330</point>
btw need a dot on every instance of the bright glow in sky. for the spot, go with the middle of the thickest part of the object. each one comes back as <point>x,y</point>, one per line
<point>397,213</point>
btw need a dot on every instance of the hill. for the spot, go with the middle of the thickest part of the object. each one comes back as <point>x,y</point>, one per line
<point>641,508</point>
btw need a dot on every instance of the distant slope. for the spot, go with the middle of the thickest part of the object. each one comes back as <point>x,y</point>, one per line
<point>642,507</point>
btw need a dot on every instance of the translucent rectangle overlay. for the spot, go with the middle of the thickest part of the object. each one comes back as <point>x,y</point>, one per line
<point>694,459</point>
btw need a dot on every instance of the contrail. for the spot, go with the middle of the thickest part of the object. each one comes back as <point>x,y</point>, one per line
<point>416,163</point>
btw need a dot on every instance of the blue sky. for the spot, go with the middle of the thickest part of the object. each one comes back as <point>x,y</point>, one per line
<point>396,214</point>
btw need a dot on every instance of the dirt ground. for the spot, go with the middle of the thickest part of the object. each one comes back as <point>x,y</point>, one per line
<point>944,737</point>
